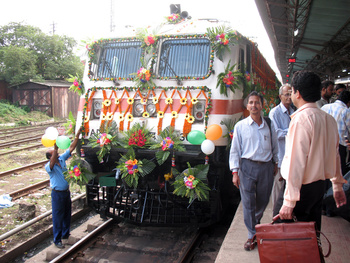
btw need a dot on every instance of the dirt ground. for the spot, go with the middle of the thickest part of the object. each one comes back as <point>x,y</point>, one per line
<point>9,218</point>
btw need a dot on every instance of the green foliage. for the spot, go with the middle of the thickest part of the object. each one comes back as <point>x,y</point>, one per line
<point>11,113</point>
<point>229,79</point>
<point>26,53</point>
<point>132,168</point>
<point>190,183</point>
<point>70,124</point>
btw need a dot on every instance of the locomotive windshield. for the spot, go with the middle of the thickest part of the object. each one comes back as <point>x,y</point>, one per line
<point>184,58</point>
<point>118,60</point>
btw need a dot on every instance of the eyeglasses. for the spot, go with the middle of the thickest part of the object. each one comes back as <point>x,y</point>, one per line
<point>287,94</point>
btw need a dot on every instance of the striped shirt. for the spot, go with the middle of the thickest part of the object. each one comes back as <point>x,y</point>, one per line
<point>341,113</point>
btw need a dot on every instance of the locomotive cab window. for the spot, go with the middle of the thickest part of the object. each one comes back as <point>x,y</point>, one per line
<point>184,58</point>
<point>117,60</point>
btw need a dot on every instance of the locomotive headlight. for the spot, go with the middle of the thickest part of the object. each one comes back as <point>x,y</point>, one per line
<point>138,109</point>
<point>151,109</point>
<point>198,110</point>
<point>96,108</point>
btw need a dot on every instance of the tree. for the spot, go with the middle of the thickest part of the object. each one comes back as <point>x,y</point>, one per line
<point>28,53</point>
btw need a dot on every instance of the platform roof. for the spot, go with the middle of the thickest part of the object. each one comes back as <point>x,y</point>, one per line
<point>314,32</point>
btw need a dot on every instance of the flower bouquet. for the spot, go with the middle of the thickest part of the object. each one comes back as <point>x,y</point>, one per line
<point>148,40</point>
<point>131,168</point>
<point>174,18</point>
<point>221,37</point>
<point>78,172</point>
<point>70,124</point>
<point>143,78</point>
<point>229,79</point>
<point>190,183</point>
<point>105,139</point>
<point>137,137</point>
<point>167,141</point>
<point>77,86</point>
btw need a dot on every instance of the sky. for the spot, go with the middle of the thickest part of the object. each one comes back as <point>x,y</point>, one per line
<point>91,19</point>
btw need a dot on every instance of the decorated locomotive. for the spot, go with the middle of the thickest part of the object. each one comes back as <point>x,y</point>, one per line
<point>158,110</point>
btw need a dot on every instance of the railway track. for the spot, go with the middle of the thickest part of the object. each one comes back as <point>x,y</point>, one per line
<point>23,168</point>
<point>37,145</point>
<point>29,189</point>
<point>127,243</point>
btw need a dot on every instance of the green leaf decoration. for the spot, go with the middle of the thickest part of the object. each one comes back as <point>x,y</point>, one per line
<point>190,183</point>
<point>222,37</point>
<point>229,79</point>
<point>78,172</point>
<point>106,138</point>
<point>162,156</point>
<point>132,168</point>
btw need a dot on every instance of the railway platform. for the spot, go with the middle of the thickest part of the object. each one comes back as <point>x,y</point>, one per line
<point>336,229</point>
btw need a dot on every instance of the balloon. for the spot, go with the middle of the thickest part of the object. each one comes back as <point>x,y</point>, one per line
<point>196,137</point>
<point>51,133</point>
<point>47,142</point>
<point>213,132</point>
<point>63,142</point>
<point>207,147</point>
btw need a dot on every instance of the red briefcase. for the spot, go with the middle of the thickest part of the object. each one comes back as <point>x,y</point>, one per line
<point>289,242</point>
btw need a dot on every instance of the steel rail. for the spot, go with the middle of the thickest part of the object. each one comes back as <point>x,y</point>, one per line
<point>24,191</point>
<point>188,254</point>
<point>16,142</point>
<point>48,124</point>
<point>34,220</point>
<point>22,149</point>
<point>23,168</point>
<point>82,244</point>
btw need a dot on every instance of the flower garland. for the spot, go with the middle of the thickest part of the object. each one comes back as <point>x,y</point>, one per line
<point>105,139</point>
<point>131,168</point>
<point>190,183</point>
<point>77,86</point>
<point>168,141</point>
<point>229,79</point>
<point>151,95</point>
<point>78,172</point>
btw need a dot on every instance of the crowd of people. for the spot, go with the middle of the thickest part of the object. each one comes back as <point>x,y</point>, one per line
<point>296,156</point>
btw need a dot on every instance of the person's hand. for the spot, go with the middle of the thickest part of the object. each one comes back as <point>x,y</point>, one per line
<point>235,179</point>
<point>286,212</point>
<point>275,169</point>
<point>339,198</point>
<point>55,147</point>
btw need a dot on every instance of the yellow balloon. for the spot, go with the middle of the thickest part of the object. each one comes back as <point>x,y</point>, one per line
<point>47,142</point>
<point>213,132</point>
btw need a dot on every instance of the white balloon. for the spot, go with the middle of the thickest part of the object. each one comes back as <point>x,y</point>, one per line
<point>51,133</point>
<point>208,147</point>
